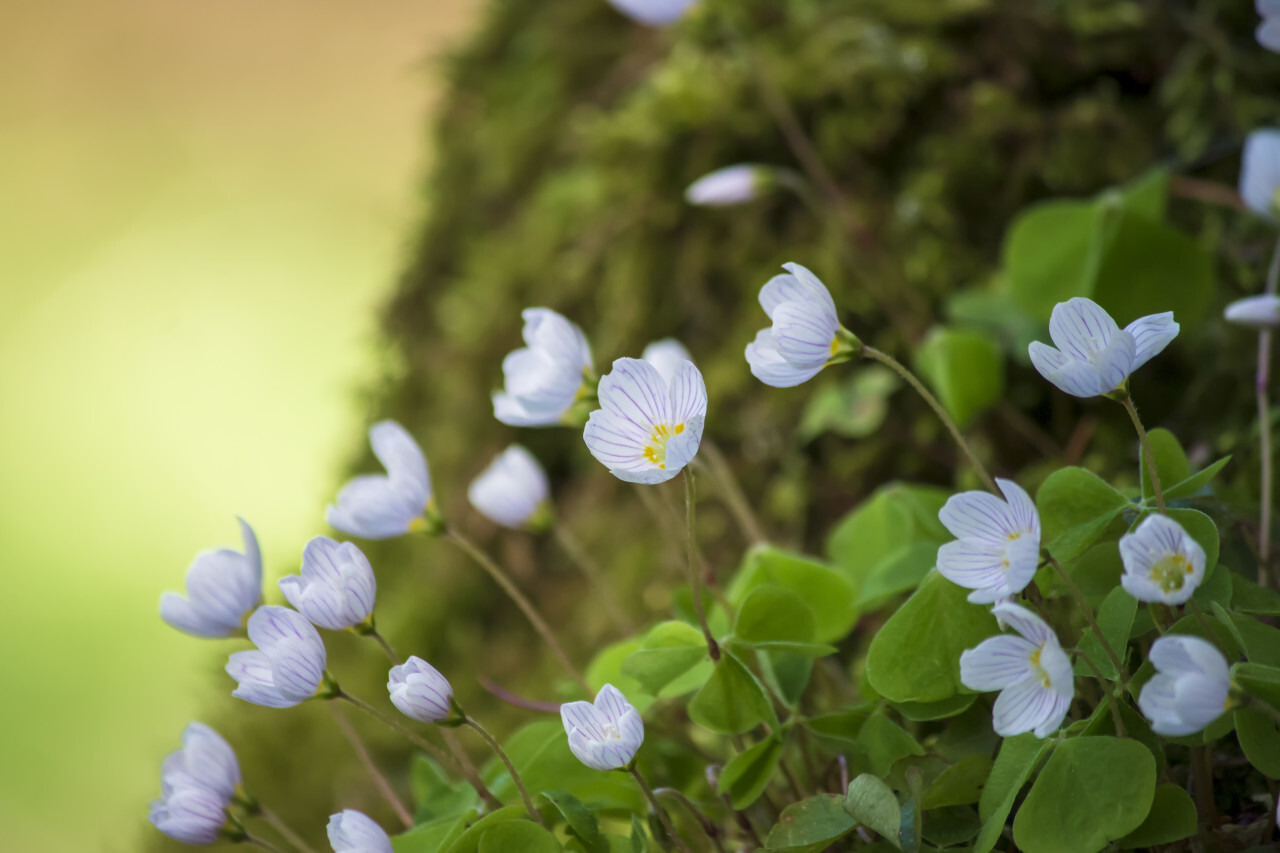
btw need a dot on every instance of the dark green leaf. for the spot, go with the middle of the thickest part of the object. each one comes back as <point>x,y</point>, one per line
<point>1019,756</point>
<point>748,773</point>
<point>960,784</point>
<point>1115,618</point>
<point>810,825</point>
<point>582,823</point>
<point>434,794</point>
<point>1171,462</point>
<point>732,701</point>
<point>873,804</point>
<point>433,836</point>
<point>1248,597</point>
<point>886,743</point>
<point>469,841</point>
<point>1194,483</point>
<point>951,826</point>
<point>1259,680</point>
<point>1172,818</point>
<point>842,725</point>
<point>827,592</point>
<point>1260,740</point>
<point>922,712</point>
<point>525,836</point>
<point>669,650</point>
<point>1048,254</point>
<point>965,368</point>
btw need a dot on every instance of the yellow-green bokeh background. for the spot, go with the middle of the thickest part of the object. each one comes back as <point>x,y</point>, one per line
<point>201,208</point>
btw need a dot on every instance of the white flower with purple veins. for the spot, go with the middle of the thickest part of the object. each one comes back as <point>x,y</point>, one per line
<point>606,734</point>
<point>1260,164</point>
<point>336,589</point>
<point>997,547</point>
<point>1162,563</point>
<point>351,831</point>
<point>1259,312</point>
<point>1190,688</point>
<point>545,377</point>
<point>1094,356</point>
<point>647,430</point>
<point>205,760</point>
<point>806,333</point>
<point>223,588</point>
<point>420,692</point>
<point>191,814</point>
<point>728,186</point>
<point>666,356</point>
<point>512,489</point>
<point>288,665</point>
<point>653,13</point>
<point>383,506</point>
<point>1031,671</point>
<point>1268,33</point>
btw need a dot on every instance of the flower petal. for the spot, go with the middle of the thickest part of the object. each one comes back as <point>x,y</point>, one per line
<point>982,516</point>
<point>688,393</point>
<point>666,356</point>
<point>634,390</point>
<point>1075,377</point>
<point>1260,163</point>
<point>768,365</point>
<point>997,663</point>
<point>1259,312</point>
<point>1025,622</point>
<point>1151,334</point>
<point>403,459</point>
<point>1081,328</point>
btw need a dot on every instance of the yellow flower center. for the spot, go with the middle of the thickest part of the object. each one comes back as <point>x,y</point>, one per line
<point>611,731</point>
<point>656,450</point>
<point>1170,572</point>
<point>1040,671</point>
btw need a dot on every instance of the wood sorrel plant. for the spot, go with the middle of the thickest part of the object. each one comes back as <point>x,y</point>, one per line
<point>970,669</point>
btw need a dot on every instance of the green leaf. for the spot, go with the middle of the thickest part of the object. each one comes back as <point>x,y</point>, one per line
<point>923,712</point>
<point>1260,740</point>
<point>540,752</point>
<point>1194,483</point>
<point>772,616</point>
<point>965,368</point>
<point>582,823</point>
<point>1096,572</point>
<point>1079,803</point>
<point>1135,725</point>
<point>1204,530</point>
<point>810,825</point>
<point>606,668</point>
<point>1146,195</point>
<point>432,836</point>
<point>749,772</point>
<point>886,743</point>
<point>854,408</point>
<point>525,836</point>
<point>1047,254</point>
<point>993,311</point>
<point>1076,507</point>
<point>1171,461</point>
<point>1215,588</point>
<point>1259,680</point>
<point>1018,758</point>
<point>732,701</point>
<point>1172,818</point>
<point>951,826</point>
<point>842,725</point>
<point>958,785</point>
<point>873,804</point>
<point>1115,618</point>
<point>434,794</point>
<point>639,839</point>
<point>668,651</point>
<point>469,841</point>
<point>827,592</point>
<point>1248,597</point>
<point>1261,641</point>
<point>915,656</point>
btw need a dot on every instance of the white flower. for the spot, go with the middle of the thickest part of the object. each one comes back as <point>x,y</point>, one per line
<point>1161,562</point>
<point>1260,312</point>
<point>997,547</point>
<point>1095,356</point>
<point>547,376</point>
<point>223,588</point>
<point>604,735</point>
<point>1032,673</point>
<point>205,760</point>
<point>1268,34</point>
<point>805,335</point>
<point>420,692</point>
<point>728,186</point>
<point>647,430</point>
<point>288,666</point>
<point>1260,162</point>
<point>512,489</point>
<point>351,831</point>
<point>1190,688</point>
<point>191,814</point>
<point>380,507</point>
<point>666,356</point>
<point>336,589</point>
<point>653,13</point>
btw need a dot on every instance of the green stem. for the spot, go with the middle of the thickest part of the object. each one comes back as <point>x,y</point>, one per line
<point>386,647</point>
<point>1089,617</point>
<point>255,841</point>
<point>658,809</point>
<point>278,824</point>
<point>1202,775</point>
<point>526,607</point>
<point>1127,402</point>
<point>379,780</point>
<point>1106,693</point>
<point>511,768</point>
<point>911,379</point>
<point>708,828</point>
<point>578,556</point>
<point>1261,380</point>
<point>695,576</point>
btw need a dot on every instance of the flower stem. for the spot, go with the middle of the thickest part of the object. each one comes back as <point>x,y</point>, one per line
<point>526,607</point>
<point>255,841</point>
<point>709,829</point>
<point>695,576</point>
<point>1202,776</point>
<point>386,647</point>
<point>1089,617</point>
<point>426,746</point>
<point>911,379</point>
<point>1264,431</point>
<point>1127,402</point>
<point>1106,694</point>
<point>379,780</point>
<point>731,492</point>
<point>578,556</point>
<point>278,824</point>
<point>511,768</point>
<point>658,809</point>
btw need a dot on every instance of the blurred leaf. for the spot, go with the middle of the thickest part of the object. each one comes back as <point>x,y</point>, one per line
<point>1248,597</point>
<point>1260,739</point>
<point>950,826</point>
<point>582,822</point>
<point>825,591</point>
<point>749,772</point>
<point>810,825</point>
<point>669,650</point>
<point>841,725</point>
<point>854,408</point>
<point>433,836</point>
<point>1172,818</point>
<point>434,794</point>
<point>1048,254</point>
<point>965,368</point>
<point>525,836</point>
<point>1171,462</point>
<point>469,841</point>
<point>959,785</point>
<point>996,313</point>
<point>606,668</point>
<point>1259,680</point>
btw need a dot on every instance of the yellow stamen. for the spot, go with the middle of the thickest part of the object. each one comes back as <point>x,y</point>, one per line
<point>1039,670</point>
<point>656,450</point>
<point>1170,572</point>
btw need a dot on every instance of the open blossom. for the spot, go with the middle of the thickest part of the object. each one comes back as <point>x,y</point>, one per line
<point>512,489</point>
<point>806,333</point>
<point>191,814</point>
<point>1260,167</point>
<point>288,665</point>
<point>606,734</point>
<point>653,13</point>
<point>380,507</point>
<point>997,547</point>
<point>545,377</point>
<point>728,186</point>
<point>666,356</point>
<point>647,430</point>
<point>351,831</point>
<point>1260,312</point>
<point>223,588</point>
<point>1161,562</point>
<point>1094,356</point>
<point>205,760</point>
<point>336,588</point>
<point>420,692</point>
<point>1031,671</point>
<point>1190,688</point>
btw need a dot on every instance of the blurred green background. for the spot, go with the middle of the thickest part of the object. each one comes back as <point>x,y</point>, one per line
<point>202,206</point>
